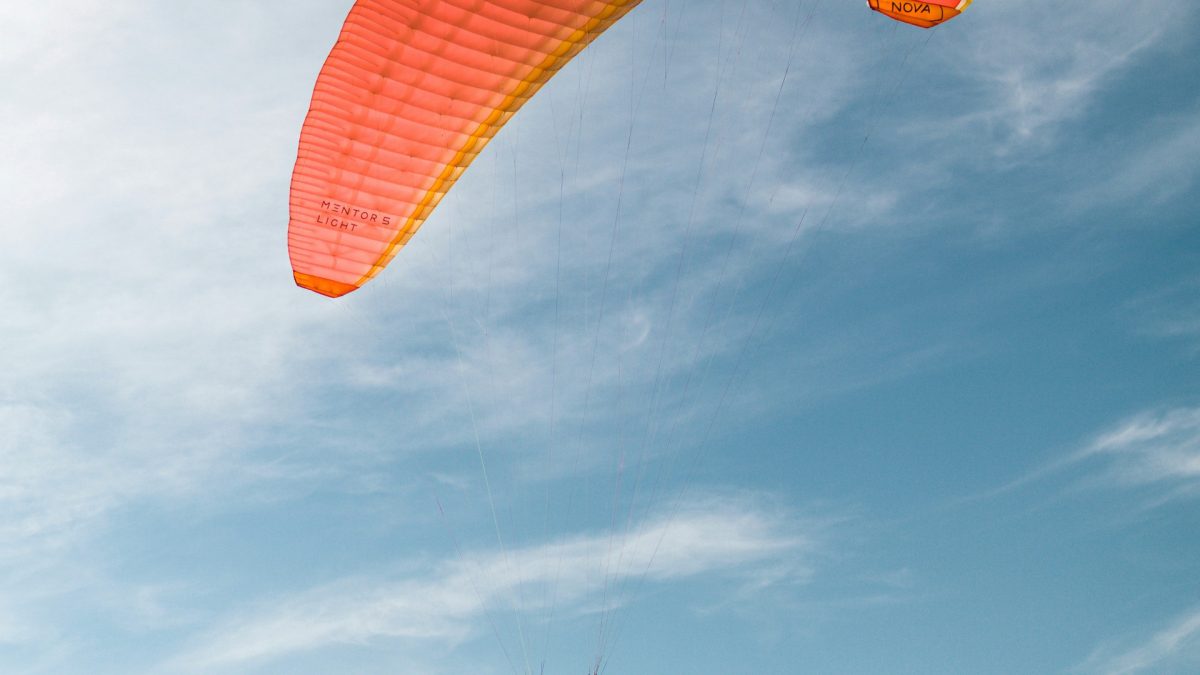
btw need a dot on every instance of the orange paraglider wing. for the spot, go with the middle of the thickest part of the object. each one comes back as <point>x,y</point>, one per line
<point>410,94</point>
<point>925,14</point>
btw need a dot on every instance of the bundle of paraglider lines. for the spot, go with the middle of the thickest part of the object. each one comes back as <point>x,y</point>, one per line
<point>411,94</point>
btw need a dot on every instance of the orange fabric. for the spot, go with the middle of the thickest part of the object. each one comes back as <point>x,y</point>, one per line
<point>926,14</point>
<point>411,93</point>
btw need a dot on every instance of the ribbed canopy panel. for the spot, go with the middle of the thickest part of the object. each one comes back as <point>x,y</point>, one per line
<point>411,93</point>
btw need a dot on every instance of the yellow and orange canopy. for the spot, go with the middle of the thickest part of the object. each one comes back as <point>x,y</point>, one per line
<point>924,14</point>
<point>410,94</point>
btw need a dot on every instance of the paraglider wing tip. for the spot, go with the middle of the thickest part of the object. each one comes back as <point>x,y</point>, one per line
<point>328,287</point>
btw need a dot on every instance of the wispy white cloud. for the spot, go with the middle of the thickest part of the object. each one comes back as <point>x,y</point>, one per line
<point>1150,449</point>
<point>1173,649</point>
<point>150,342</point>
<point>453,603</point>
<point>1156,452</point>
<point>1043,73</point>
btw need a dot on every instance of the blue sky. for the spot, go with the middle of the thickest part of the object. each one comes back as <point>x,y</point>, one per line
<point>893,368</point>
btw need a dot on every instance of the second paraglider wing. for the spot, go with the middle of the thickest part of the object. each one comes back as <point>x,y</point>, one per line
<point>924,14</point>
